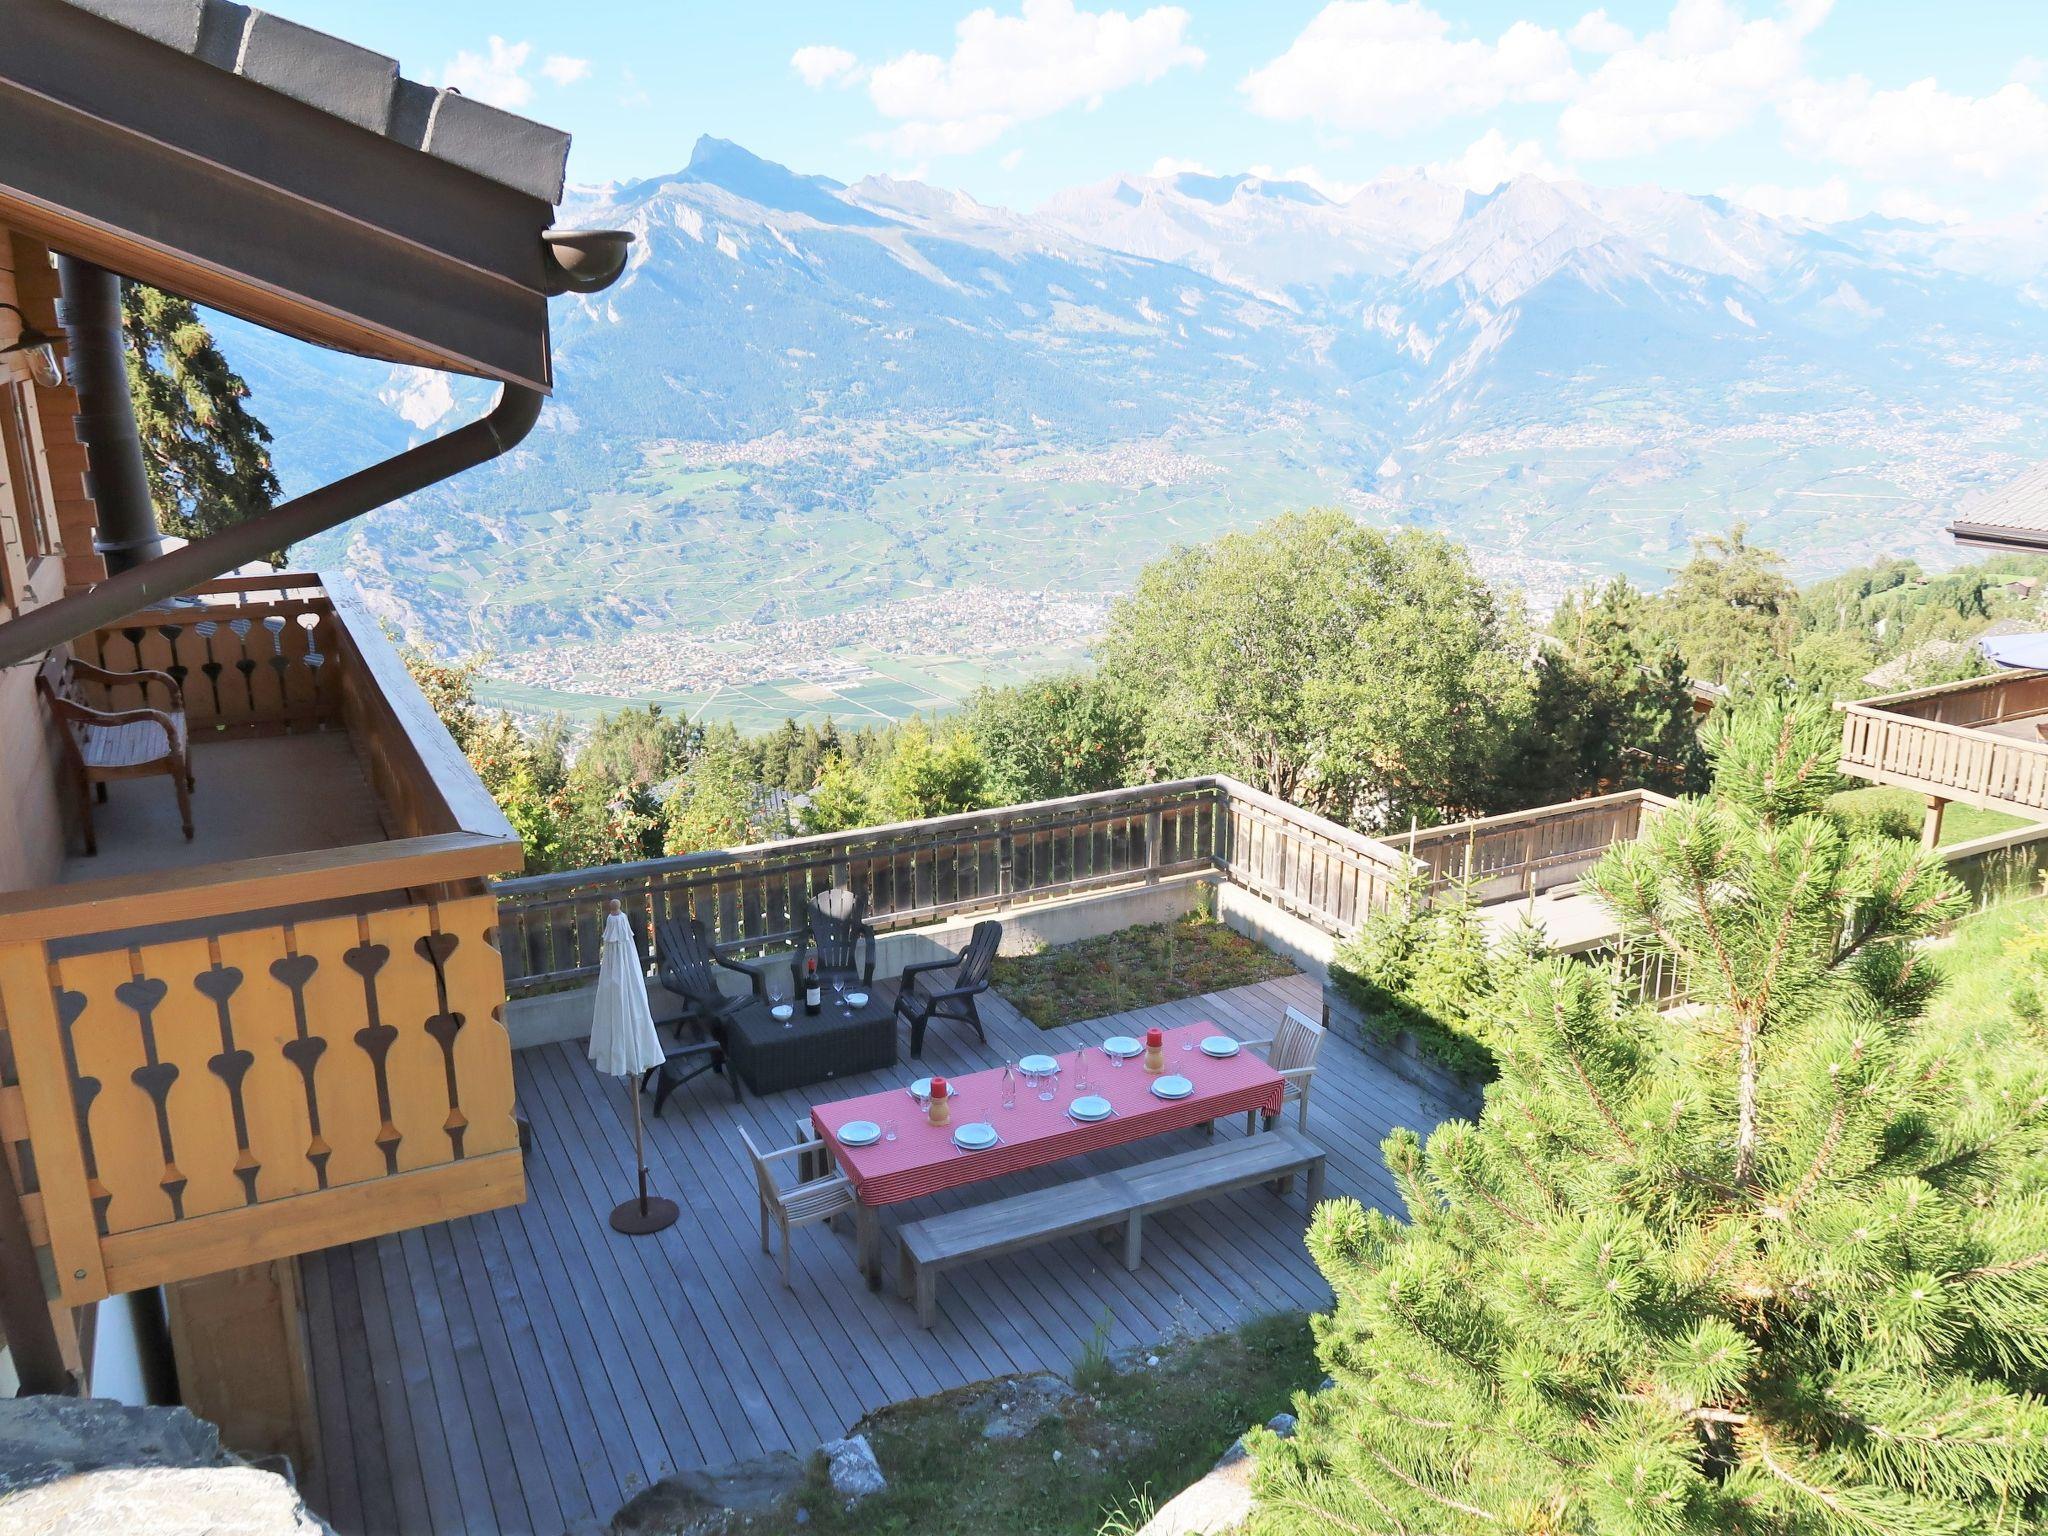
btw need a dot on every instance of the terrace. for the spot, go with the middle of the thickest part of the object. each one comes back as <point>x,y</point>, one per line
<point>334,883</point>
<point>1983,742</point>
<point>529,1369</point>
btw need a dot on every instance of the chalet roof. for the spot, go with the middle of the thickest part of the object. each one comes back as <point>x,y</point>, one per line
<point>354,85</point>
<point>281,174</point>
<point>2015,516</point>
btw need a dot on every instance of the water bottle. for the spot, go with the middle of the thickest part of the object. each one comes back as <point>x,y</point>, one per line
<point>1009,1087</point>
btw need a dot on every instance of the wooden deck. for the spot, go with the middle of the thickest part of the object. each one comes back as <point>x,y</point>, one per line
<point>529,1370</point>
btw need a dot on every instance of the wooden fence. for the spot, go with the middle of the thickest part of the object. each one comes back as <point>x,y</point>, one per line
<point>751,899</point>
<point>1942,742</point>
<point>1524,853</point>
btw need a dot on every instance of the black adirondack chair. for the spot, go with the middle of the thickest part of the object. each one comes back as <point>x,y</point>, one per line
<point>949,996</point>
<point>687,966</point>
<point>837,929</point>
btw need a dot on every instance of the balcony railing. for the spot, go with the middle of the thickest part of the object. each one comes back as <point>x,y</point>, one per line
<point>218,1063</point>
<point>985,861</point>
<point>1974,741</point>
<point>1525,853</point>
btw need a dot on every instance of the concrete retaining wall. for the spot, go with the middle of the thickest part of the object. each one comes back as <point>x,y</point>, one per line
<point>1257,918</point>
<point>1400,1055</point>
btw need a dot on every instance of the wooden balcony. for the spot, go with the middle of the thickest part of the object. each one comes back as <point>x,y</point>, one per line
<point>1980,742</point>
<point>285,1033</point>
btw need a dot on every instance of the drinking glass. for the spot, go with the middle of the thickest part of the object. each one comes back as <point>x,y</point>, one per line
<point>1047,1084</point>
<point>775,1001</point>
<point>888,1130</point>
<point>1116,1058</point>
<point>1189,1043</point>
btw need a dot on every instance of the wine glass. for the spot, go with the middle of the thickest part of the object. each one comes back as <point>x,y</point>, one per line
<point>839,992</point>
<point>775,1003</point>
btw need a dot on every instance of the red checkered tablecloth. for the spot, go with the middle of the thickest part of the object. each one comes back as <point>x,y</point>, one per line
<point>923,1159</point>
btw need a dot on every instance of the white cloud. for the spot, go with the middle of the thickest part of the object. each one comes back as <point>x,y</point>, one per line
<point>1389,67</point>
<point>1704,75</point>
<point>564,70</point>
<point>1336,191</point>
<point>1900,203</point>
<point>1173,165</point>
<point>1921,132</point>
<point>1597,32</point>
<point>821,63</point>
<point>1005,70</point>
<point>1828,203</point>
<point>498,77</point>
<point>1490,160</point>
<point>1012,160</point>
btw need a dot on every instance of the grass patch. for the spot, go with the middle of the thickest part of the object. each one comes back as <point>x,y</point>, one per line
<point>1133,1439</point>
<point>1899,812</point>
<point>1135,968</point>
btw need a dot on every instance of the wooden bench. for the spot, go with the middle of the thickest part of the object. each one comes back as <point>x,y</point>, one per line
<point>1100,1203</point>
<point>105,744</point>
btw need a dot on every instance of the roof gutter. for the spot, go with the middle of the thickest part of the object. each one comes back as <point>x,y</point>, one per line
<point>494,434</point>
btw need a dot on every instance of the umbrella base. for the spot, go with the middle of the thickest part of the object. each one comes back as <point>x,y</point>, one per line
<point>638,1218</point>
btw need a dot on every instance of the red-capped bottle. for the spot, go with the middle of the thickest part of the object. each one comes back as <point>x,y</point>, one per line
<point>813,996</point>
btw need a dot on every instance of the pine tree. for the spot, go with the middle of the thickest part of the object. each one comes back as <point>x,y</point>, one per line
<point>1773,1264</point>
<point>206,454</point>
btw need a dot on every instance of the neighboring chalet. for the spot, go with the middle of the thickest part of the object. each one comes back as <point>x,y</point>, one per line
<point>249,1000</point>
<point>1983,741</point>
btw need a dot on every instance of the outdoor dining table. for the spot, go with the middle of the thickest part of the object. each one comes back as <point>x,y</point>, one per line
<point>923,1159</point>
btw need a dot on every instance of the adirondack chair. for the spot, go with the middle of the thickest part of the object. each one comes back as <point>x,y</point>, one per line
<point>951,996</point>
<point>687,966</point>
<point>1291,1052</point>
<point>837,928</point>
<point>795,1205</point>
<point>105,744</point>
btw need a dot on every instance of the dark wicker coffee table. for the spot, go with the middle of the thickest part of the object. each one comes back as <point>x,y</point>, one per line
<point>837,1043</point>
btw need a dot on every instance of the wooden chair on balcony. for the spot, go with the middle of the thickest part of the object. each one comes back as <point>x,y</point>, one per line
<point>837,929</point>
<point>1292,1053</point>
<point>796,1205</point>
<point>952,986</point>
<point>101,745</point>
<point>687,966</point>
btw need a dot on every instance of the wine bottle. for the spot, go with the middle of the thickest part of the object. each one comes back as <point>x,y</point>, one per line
<point>813,997</point>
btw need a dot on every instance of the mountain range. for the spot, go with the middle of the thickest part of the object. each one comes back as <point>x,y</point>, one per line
<point>810,404</point>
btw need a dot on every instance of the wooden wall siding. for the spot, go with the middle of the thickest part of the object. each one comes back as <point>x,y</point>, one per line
<point>1943,742</point>
<point>181,1083</point>
<point>35,282</point>
<point>1525,852</point>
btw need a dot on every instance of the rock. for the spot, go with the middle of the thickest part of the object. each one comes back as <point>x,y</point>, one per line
<point>854,1472</point>
<point>83,1466</point>
<point>1282,1424</point>
<point>1215,1504</point>
<point>1056,1456</point>
<point>704,1500</point>
<point>1016,1406</point>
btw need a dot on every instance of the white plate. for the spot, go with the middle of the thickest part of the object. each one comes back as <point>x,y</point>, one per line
<point>859,1133</point>
<point>1039,1064</point>
<point>1092,1107</point>
<point>921,1089</point>
<point>976,1136</point>
<point>1219,1046</point>
<point>1174,1087</point>
<point>856,999</point>
<point>782,1010</point>
<point>1122,1045</point>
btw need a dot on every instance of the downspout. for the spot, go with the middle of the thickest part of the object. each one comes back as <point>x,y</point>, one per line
<point>115,476</point>
<point>403,474</point>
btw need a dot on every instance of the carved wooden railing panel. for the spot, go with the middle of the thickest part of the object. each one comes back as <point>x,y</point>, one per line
<point>263,1089</point>
<point>1938,741</point>
<point>251,655</point>
<point>1526,852</point>
<point>1307,865</point>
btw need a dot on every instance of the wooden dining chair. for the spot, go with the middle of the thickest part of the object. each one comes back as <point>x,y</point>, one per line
<point>794,1205</point>
<point>101,745</point>
<point>1292,1053</point>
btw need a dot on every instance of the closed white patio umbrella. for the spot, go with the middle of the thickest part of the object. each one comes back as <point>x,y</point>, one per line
<point>623,1043</point>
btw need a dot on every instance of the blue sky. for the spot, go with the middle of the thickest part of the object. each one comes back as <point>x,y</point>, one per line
<point>1825,110</point>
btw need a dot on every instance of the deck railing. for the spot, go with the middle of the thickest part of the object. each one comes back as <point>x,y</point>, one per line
<point>1524,853</point>
<point>919,872</point>
<point>220,1063</point>
<point>1939,741</point>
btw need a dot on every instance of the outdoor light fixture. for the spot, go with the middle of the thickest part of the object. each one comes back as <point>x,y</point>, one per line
<point>41,348</point>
